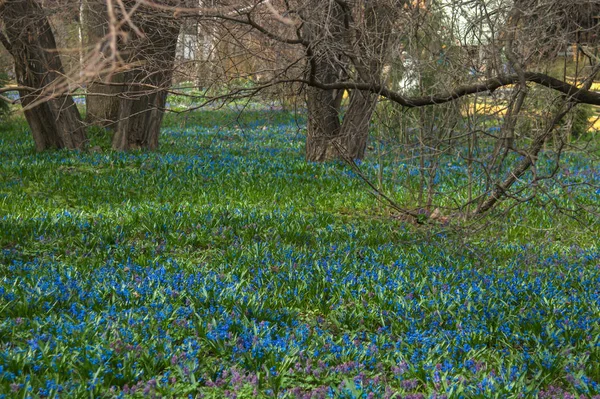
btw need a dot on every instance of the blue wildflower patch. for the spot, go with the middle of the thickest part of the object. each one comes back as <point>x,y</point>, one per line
<point>226,266</point>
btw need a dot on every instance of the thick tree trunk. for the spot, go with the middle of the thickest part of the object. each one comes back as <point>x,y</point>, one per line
<point>102,101</point>
<point>323,130</point>
<point>376,28</point>
<point>55,122</point>
<point>143,101</point>
<point>366,32</point>
<point>355,128</point>
<point>324,26</point>
<point>139,119</point>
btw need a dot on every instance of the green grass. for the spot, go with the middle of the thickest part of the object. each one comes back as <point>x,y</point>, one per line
<point>225,264</point>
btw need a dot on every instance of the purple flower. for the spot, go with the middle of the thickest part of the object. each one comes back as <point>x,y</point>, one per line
<point>253,380</point>
<point>400,369</point>
<point>236,378</point>
<point>410,385</point>
<point>553,392</point>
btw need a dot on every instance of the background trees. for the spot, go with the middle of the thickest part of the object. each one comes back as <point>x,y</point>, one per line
<point>129,66</point>
<point>490,82</point>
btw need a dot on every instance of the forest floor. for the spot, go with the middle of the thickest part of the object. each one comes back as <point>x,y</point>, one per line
<point>224,265</point>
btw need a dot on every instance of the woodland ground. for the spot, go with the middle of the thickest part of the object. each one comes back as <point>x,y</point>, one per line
<point>226,266</point>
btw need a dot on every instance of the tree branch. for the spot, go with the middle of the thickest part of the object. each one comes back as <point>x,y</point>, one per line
<point>5,42</point>
<point>574,93</point>
<point>16,88</point>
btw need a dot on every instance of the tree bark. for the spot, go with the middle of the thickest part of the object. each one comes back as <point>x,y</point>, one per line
<point>102,102</point>
<point>355,127</point>
<point>323,128</point>
<point>366,37</point>
<point>323,27</point>
<point>55,121</point>
<point>140,118</point>
<point>372,48</point>
<point>142,104</point>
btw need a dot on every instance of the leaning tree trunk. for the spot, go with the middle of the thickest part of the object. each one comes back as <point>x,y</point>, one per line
<point>355,127</point>
<point>323,26</point>
<point>102,102</point>
<point>372,47</point>
<point>54,119</point>
<point>365,31</point>
<point>142,104</point>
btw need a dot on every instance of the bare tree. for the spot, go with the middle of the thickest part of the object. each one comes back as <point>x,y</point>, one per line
<point>344,40</point>
<point>323,25</point>
<point>55,123</point>
<point>488,46</point>
<point>391,56</point>
<point>373,27</point>
<point>129,69</point>
<point>150,56</point>
<point>102,101</point>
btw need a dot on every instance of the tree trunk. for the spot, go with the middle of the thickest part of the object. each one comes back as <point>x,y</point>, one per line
<point>140,119</point>
<point>323,27</point>
<point>365,31</point>
<point>372,47</point>
<point>143,101</point>
<point>355,128</point>
<point>102,100</point>
<point>55,122</point>
<point>323,130</point>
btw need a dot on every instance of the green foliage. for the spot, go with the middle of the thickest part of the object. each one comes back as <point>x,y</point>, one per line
<point>225,264</point>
